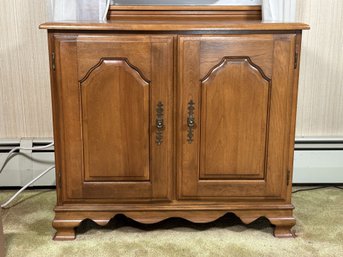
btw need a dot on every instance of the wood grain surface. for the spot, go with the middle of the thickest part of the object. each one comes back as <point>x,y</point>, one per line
<point>116,86</point>
<point>229,98</point>
<point>234,112</point>
<point>225,171</point>
<point>170,24</point>
<point>104,118</point>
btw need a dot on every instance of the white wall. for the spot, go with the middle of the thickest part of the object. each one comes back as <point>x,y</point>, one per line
<point>25,107</point>
<point>320,108</point>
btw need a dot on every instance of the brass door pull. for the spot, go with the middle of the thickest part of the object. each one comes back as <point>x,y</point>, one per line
<point>159,123</point>
<point>190,121</point>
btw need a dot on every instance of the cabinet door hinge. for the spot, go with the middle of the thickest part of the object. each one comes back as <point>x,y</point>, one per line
<point>288,177</point>
<point>296,57</point>
<point>53,62</point>
<point>59,180</point>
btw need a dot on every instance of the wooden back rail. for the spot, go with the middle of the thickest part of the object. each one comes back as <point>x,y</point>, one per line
<point>189,12</point>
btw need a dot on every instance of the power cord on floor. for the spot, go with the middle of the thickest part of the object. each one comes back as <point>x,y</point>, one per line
<point>33,180</point>
<point>316,188</point>
<point>27,185</point>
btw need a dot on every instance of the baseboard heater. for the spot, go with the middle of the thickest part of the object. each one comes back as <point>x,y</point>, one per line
<point>25,165</point>
<point>316,161</point>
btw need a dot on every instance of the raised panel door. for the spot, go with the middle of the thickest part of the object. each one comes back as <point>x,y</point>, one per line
<point>118,93</point>
<point>234,116</point>
<point>115,116</point>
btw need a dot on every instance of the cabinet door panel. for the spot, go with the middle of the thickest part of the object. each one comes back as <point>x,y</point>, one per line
<point>242,112</point>
<point>110,87</point>
<point>115,103</point>
<point>234,111</point>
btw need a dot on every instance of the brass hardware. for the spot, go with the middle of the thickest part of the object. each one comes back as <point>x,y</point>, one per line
<point>53,62</point>
<point>190,121</point>
<point>159,123</point>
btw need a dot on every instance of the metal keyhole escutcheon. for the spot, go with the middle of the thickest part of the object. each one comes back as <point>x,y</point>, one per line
<point>159,123</point>
<point>190,121</point>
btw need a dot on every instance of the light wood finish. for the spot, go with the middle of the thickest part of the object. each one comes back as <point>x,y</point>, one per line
<point>233,120</point>
<point>191,8</point>
<point>113,103</point>
<point>189,12</point>
<point>117,94</point>
<point>113,148</point>
<point>241,139</point>
<point>321,72</point>
<point>170,24</point>
<point>66,221</point>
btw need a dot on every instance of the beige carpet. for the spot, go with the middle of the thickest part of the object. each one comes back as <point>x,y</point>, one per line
<point>319,214</point>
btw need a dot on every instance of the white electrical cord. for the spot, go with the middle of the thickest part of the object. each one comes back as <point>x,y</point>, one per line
<point>27,185</point>
<point>32,181</point>
<point>24,148</point>
<point>104,17</point>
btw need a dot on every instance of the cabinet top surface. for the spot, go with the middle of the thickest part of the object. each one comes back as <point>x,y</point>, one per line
<point>168,24</point>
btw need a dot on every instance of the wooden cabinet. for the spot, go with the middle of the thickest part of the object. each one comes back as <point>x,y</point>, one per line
<point>110,88</point>
<point>156,121</point>
<point>239,145</point>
